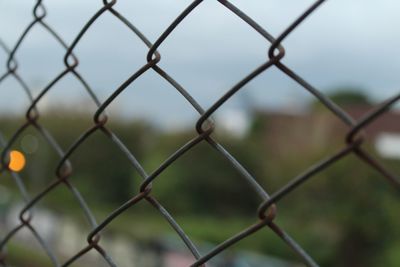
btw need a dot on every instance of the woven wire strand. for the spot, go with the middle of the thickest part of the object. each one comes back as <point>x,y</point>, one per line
<point>204,127</point>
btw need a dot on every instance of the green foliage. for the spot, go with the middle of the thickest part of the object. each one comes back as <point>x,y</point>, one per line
<point>346,215</point>
<point>202,180</point>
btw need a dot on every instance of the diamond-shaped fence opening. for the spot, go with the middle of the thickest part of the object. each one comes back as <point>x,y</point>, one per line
<point>86,171</point>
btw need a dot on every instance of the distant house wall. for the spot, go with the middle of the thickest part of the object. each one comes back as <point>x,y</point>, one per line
<point>317,129</point>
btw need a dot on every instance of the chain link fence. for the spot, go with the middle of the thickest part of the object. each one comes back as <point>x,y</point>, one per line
<point>205,126</point>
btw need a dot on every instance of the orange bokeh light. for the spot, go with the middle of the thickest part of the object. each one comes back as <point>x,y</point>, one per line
<point>17,161</point>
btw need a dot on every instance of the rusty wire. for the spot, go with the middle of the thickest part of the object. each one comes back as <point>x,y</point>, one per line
<point>205,125</point>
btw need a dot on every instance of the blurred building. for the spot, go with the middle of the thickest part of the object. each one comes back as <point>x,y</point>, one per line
<point>318,128</point>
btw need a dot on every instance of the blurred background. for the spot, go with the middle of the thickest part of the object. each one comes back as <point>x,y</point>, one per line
<point>346,215</point>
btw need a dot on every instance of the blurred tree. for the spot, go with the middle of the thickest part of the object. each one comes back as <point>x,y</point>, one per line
<point>203,181</point>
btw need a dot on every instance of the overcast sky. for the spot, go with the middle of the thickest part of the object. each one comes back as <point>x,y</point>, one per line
<point>344,43</point>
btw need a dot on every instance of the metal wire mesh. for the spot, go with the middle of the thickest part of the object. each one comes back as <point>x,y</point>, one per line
<point>204,126</point>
